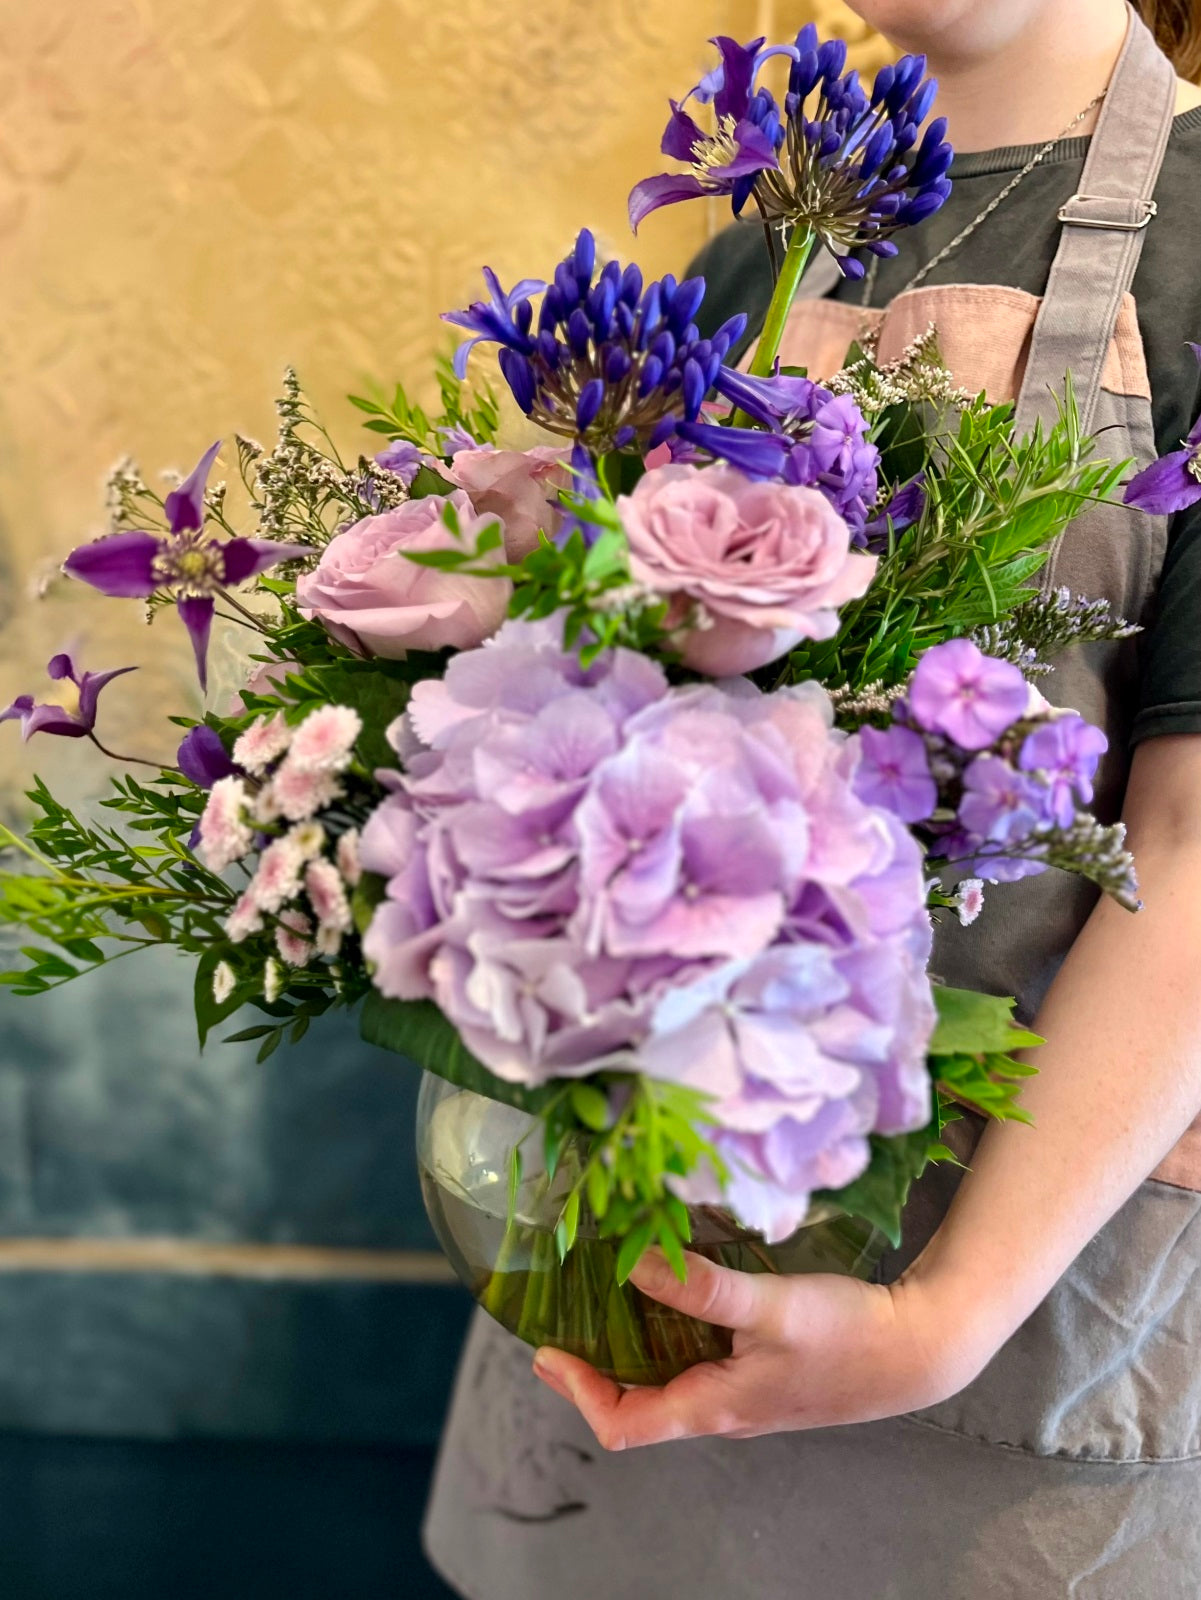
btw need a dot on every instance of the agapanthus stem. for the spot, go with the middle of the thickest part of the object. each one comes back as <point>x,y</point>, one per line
<point>799,250</point>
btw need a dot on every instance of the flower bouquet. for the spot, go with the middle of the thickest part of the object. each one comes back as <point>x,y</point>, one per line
<point>619,782</point>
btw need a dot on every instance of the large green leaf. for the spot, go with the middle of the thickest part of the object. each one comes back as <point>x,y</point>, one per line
<point>879,1194</point>
<point>417,1029</point>
<point>971,1024</point>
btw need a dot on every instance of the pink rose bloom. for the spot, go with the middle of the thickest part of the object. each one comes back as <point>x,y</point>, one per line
<point>370,597</point>
<point>768,563</point>
<point>521,487</point>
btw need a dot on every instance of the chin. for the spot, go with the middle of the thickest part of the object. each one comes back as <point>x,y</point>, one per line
<point>947,27</point>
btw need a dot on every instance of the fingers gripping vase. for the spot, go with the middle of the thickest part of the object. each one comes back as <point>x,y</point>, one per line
<point>503,1247</point>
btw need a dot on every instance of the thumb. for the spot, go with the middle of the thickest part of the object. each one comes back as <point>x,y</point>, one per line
<point>711,1293</point>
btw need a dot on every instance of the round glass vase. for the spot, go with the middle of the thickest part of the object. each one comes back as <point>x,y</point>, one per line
<point>509,1260</point>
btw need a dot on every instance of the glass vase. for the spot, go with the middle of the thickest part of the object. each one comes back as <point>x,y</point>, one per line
<point>509,1260</point>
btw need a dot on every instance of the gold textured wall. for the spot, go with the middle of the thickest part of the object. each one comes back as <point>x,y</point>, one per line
<point>195,192</point>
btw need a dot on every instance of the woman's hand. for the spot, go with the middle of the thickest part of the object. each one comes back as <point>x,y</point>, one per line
<point>809,1352</point>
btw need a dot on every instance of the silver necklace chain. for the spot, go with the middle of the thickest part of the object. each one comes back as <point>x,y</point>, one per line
<point>937,260</point>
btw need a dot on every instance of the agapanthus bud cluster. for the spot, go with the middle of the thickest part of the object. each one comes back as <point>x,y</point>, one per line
<point>852,168</point>
<point>589,868</point>
<point>610,361</point>
<point>991,776</point>
<point>849,166</point>
<point>283,778</point>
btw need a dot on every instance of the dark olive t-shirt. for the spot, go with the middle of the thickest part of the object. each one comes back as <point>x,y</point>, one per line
<point>1015,246</point>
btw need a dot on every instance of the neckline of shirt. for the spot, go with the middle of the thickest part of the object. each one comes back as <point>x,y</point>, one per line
<point>1013,157</point>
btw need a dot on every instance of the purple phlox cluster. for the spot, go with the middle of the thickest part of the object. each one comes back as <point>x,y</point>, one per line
<point>611,363</point>
<point>267,799</point>
<point>1173,483</point>
<point>815,440</point>
<point>986,770</point>
<point>70,721</point>
<point>749,133</point>
<point>589,868</point>
<point>840,161</point>
<point>133,565</point>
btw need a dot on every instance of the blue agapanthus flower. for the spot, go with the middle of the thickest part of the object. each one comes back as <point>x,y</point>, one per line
<point>838,161</point>
<point>611,362</point>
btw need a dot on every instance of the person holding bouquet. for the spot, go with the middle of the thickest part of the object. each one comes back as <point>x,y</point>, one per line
<point>1011,1412</point>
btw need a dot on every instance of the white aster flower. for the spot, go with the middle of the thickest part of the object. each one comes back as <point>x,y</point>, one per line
<point>244,919</point>
<point>262,743</point>
<point>273,980</point>
<point>327,895</point>
<point>297,794</point>
<point>224,982</point>
<point>325,739</point>
<point>278,877</point>
<point>225,836</point>
<point>969,901</point>
<point>291,938</point>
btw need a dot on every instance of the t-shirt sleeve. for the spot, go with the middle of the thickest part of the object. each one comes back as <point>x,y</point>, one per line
<point>1170,698</point>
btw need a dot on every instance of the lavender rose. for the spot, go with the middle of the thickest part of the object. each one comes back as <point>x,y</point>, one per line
<point>768,563</point>
<point>518,486</point>
<point>373,600</point>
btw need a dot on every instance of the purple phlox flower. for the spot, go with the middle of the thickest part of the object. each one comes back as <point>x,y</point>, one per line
<point>134,565</point>
<point>403,458</point>
<point>1001,805</point>
<point>203,759</point>
<point>1065,753</point>
<point>70,722</point>
<point>611,363</point>
<point>1173,483</point>
<point>457,438</point>
<point>971,697</point>
<point>503,318</point>
<point>905,507</point>
<point>852,168</point>
<point>748,136</point>
<point>894,772</point>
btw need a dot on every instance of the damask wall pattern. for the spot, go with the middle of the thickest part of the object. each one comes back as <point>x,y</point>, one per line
<point>195,192</point>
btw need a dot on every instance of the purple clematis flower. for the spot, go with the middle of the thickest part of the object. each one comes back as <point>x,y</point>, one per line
<point>748,138</point>
<point>77,724</point>
<point>133,565</point>
<point>1173,483</point>
<point>203,759</point>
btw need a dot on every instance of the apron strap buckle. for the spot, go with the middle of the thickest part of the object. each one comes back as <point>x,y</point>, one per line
<point>1103,211</point>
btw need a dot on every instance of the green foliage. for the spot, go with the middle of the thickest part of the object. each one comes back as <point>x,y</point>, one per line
<point>397,417</point>
<point>971,1054</point>
<point>879,1193</point>
<point>994,508</point>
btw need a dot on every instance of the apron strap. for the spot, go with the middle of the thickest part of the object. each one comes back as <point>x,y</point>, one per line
<point>1104,227</point>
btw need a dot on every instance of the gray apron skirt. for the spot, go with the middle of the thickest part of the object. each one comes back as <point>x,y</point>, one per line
<point>1072,1465</point>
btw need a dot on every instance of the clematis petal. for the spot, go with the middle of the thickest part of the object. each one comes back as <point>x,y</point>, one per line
<point>52,719</point>
<point>21,707</point>
<point>664,190</point>
<point>185,506</point>
<point>196,614</point>
<point>61,666</point>
<point>120,564</point>
<point>1166,486</point>
<point>681,135</point>
<point>90,686</point>
<point>203,759</point>
<point>739,65</point>
<point>245,558</point>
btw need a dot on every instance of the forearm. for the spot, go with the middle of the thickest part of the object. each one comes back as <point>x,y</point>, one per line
<point>1119,1082</point>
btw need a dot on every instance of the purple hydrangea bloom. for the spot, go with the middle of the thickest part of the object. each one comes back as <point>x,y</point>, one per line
<point>1065,753</point>
<point>1173,483</point>
<point>587,867</point>
<point>894,772</point>
<point>49,718</point>
<point>612,362</point>
<point>134,565</point>
<point>971,697</point>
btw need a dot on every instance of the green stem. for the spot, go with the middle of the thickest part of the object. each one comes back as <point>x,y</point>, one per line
<point>799,250</point>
